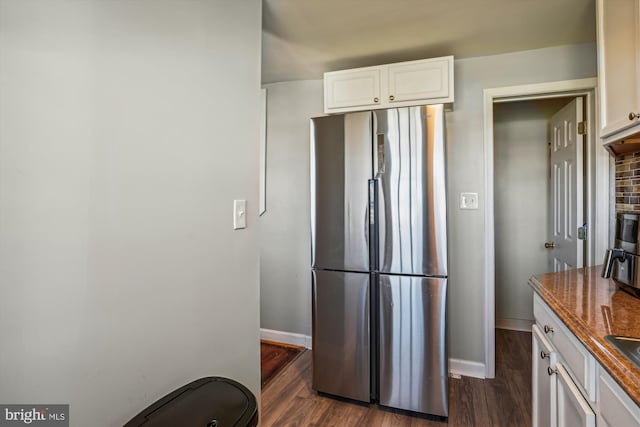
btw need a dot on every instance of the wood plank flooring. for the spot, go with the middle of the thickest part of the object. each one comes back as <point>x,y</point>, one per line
<point>274,357</point>
<point>288,399</point>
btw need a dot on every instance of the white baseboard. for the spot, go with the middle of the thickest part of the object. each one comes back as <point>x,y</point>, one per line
<point>457,367</point>
<point>466,368</point>
<point>286,337</point>
<point>514,324</point>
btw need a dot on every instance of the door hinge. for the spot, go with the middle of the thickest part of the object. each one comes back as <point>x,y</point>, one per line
<point>582,128</point>
<point>582,232</point>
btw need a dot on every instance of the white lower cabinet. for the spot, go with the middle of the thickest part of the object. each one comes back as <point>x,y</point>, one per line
<point>615,407</point>
<point>569,388</point>
<point>544,360</point>
<point>556,400</point>
<point>572,407</point>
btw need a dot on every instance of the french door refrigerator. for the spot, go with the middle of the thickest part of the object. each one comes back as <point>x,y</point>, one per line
<point>379,257</point>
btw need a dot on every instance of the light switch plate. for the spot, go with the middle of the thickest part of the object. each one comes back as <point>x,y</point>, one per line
<point>239,214</point>
<point>468,200</point>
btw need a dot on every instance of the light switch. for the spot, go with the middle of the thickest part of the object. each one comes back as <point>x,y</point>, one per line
<point>468,200</point>
<point>239,214</point>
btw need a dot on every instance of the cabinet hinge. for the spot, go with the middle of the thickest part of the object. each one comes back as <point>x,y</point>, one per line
<point>582,128</point>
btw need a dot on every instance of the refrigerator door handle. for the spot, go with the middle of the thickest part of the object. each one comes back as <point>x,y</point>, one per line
<point>372,202</point>
<point>380,154</point>
<point>367,212</point>
<point>370,228</point>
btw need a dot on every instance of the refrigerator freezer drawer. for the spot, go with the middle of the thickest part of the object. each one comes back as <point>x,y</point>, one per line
<point>341,334</point>
<point>413,356</point>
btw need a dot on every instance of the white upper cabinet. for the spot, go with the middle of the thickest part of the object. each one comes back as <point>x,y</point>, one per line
<point>618,25</point>
<point>420,80</point>
<point>428,81</point>
<point>352,88</point>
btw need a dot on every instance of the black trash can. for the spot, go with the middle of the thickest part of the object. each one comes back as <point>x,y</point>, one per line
<point>207,402</point>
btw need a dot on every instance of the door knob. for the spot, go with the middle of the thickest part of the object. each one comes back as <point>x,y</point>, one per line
<point>376,99</point>
<point>391,97</point>
<point>549,245</point>
<point>633,116</point>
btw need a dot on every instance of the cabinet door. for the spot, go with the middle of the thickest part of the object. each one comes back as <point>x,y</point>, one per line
<point>572,409</point>
<point>575,356</point>
<point>618,64</point>
<point>421,80</point>
<point>344,90</point>
<point>616,407</point>
<point>542,384</point>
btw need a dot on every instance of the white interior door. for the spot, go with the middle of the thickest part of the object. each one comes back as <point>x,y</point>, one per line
<point>565,246</point>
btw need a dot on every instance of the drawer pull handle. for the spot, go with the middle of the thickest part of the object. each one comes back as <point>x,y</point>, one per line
<point>551,371</point>
<point>543,355</point>
<point>391,97</point>
<point>548,329</point>
<point>633,116</point>
<point>376,100</point>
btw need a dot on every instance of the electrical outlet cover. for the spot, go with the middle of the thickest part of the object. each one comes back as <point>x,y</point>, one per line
<point>468,200</point>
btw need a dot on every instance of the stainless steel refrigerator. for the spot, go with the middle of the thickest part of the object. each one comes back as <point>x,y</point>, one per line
<point>379,257</point>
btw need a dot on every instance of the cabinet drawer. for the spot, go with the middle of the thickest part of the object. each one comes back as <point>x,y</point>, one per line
<point>616,408</point>
<point>544,317</point>
<point>577,359</point>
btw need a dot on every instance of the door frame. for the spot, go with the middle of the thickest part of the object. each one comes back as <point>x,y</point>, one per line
<point>597,165</point>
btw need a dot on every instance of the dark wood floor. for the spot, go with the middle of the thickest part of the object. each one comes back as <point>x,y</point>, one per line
<point>274,357</point>
<point>288,400</point>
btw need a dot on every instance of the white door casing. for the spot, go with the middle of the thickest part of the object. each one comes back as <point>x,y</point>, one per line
<point>597,186</point>
<point>566,193</point>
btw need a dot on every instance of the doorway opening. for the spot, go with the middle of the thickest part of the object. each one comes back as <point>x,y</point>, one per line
<point>535,196</point>
<point>595,193</point>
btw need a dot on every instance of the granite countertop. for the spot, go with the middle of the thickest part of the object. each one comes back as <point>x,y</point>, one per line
<point>593,307</point>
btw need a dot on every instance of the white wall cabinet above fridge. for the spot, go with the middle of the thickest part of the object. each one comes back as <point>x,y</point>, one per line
<point>427,81</point>
<point>618,26</point>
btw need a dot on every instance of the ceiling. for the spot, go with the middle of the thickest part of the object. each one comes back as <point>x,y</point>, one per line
<point>301,39</point>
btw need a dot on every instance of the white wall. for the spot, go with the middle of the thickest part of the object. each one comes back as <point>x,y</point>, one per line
<point>285,254</point>
<point>126,130</point>
<point>521,195</point>
<point>465,163</point>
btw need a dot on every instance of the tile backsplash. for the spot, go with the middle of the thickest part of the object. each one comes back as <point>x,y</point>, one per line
<point>628,182</point>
